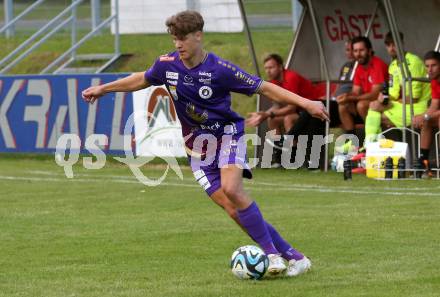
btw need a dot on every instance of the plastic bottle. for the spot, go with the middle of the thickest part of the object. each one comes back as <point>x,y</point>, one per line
<point>418,168</point>
<point>401,166</point>
<point>389,168</point>
<point>347,169</point>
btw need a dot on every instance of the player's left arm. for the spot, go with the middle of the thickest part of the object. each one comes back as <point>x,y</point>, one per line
<point>280,95</point>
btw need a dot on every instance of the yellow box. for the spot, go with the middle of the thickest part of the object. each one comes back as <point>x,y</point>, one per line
<point>377,153</point>
<point>375,166</point>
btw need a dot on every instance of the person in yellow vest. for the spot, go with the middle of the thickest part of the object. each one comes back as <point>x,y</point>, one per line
<point>390,114</point>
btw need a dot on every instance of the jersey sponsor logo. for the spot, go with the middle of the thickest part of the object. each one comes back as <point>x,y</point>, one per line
<point>198,117</point>
<point>244,77</point>
<point>203,73</point>
<point>231,129</point>
<point>172,82</point>
<point>173,92</point>
<point>204,182</point>
<point>205,92</point>
<point>206,81</point>
<point>213,127</point>
<point>188,80</point>
<point>172,75</point>
<point>199,174</point>
<point>166,58</point>
<point>201,178</point>
<point>370,79</point>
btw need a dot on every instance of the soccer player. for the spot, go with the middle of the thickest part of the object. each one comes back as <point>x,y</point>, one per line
<point>201,83</point>
<point>431,118</point>
<point>390,113</point>
<point>368,81</point>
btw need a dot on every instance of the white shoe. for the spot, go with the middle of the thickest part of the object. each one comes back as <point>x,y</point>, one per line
<point>297,267</point>
<point>276,264</point>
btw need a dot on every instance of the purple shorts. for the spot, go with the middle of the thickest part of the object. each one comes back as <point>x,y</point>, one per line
<point>224,150</point>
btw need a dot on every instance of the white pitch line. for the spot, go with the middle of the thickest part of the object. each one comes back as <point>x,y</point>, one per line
<point>255,185</point>
<point>172,177</point>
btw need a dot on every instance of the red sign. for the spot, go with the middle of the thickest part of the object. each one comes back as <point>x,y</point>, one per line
<point>342,27</point>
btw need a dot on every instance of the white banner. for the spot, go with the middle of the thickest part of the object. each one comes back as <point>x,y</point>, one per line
<point>149,16</point>
<point>157,128</point>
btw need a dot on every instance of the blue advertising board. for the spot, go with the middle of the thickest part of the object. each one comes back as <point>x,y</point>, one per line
<point>35,110</point>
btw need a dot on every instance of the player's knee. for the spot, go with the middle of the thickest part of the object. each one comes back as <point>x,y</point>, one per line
<point>364,104</point>
<point>230,190</point>
<point>235,195</point>
<point>362,107</point>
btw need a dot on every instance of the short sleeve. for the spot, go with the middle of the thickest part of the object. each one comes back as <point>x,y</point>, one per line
<point>294,83</point>
<point>155,74</point>
<point>357,77</point>
<point>234,79</point>
<point>435,90</point>
<point>379,75</point>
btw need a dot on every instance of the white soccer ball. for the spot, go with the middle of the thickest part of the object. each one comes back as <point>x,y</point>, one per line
<point>249,262</point>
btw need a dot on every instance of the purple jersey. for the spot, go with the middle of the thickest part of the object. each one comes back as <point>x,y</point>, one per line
<point>201,94</point>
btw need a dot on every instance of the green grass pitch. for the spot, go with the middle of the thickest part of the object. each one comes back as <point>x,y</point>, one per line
<point>104,234</point>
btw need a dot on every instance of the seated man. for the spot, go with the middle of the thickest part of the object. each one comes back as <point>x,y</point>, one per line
<point>369,78</point>
<point>431,118</point>
<point>390,113</point>
<point>281,118</point>
<point>346,72</point>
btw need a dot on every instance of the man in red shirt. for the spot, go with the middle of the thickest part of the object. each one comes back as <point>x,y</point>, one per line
<point>282,118</point>
<point>370,76</point>
<point>431,118</point>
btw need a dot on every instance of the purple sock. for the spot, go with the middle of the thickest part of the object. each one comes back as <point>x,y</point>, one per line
<point>252,220</point>
<point>287,251</point>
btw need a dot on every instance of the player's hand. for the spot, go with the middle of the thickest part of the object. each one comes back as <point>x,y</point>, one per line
<point>341,99</point>
<point>380,98</point>
<point>256,118</point>
<point>91,94</point>
<point>317,110</point>
<point>418,121</point>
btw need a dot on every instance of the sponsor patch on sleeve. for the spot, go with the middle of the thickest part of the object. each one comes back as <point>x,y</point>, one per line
<point>166,58</point>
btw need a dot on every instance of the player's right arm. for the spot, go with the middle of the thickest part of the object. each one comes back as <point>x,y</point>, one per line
<point>133,82</point>
<point>275,93</point>
<point>256,118</point>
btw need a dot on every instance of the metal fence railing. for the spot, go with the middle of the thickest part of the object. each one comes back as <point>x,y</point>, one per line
<point>60,21</point>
